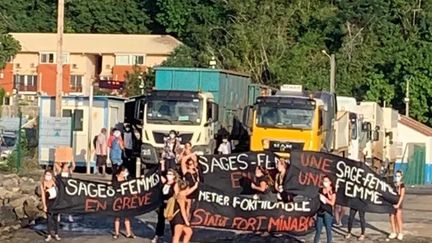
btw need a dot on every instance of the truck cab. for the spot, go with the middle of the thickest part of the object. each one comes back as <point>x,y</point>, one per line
<point>194,115</point>
<point>293,120</point>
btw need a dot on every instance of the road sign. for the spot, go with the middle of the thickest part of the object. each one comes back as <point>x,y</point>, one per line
<point>55,132</point>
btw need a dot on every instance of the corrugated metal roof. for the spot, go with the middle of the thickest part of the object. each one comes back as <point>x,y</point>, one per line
<point>416,125</point>
<point>98,43</point>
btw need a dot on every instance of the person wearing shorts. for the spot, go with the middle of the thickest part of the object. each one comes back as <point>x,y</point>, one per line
<point>101,147</point>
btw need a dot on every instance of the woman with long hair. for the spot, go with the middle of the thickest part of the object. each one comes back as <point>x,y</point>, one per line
<point>263,184</point>
<point>169,180</point>
<point>325,213</point>
<point>282,195</point>
<point>49,190</point>
<point>396,217</point>
<point>180,223</point>
<point>121,175</point>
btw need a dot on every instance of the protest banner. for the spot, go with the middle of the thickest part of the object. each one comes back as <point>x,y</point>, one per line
<point>132,197</point>
<point>357,185</point>
<point>216,209</point>
<point>234,172</point>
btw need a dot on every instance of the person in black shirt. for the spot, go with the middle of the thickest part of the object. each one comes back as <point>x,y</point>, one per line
<point>325,212</point>
<point>282,195</point>
<point>396,217</point>
<point>168,179</point>
<point>121,175</point>
<point>263,184</point>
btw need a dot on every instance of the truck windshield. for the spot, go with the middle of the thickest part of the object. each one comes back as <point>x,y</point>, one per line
<point>284,117</point>
<point>184,112</point>
<point>8,141</point>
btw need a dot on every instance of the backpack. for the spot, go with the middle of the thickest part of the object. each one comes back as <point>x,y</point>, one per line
<point>169,213</point>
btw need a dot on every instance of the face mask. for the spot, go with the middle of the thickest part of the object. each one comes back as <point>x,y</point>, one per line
<point>326,184</point>
<point>126,174</point>
<point>170,177</point>
<point>127,129</point>
<point>117,134</point>
<point>398,179</point>
<point>225,140</point>
<point>172,135</point>
<point>48,177</point>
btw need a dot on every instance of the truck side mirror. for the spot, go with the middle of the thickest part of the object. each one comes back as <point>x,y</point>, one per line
<point>247,115</point>
<point>215,109</point>
<point>376,134</point>
<point>390,136</point>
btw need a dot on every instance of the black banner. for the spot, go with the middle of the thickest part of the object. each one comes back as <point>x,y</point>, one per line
<point>216,209</point>
<point>357,185</point>
<point>130,198</point>
<point>232,173</point>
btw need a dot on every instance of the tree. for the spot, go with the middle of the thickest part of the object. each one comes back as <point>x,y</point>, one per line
<point>9,47</point>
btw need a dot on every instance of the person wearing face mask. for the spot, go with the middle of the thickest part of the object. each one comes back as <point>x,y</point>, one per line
<point>116,151</point>
<point>225,147</point>
<point>128,146</point>
<point>121,175</point>
<point>49,190</point>
<point>171,150</point>
<point>396,221</point>
<point>168,179</point>
<point>327,198</point>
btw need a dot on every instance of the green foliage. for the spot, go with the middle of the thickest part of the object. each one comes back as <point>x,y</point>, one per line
<point>9,47</point>
<point>12,160</point>
<point>378,45</point>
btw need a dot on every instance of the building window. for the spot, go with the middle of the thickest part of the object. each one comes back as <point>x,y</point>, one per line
<point>76,83</point>
<point>130,59</point>
<point>137,60</point>
<point>47,58</point>
<point>50,57</point>
<point>77,118</point>
<point>26,83</point>
<point>122,59</point>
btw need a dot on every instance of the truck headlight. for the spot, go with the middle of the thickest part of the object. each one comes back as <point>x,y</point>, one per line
<point>266,144</point>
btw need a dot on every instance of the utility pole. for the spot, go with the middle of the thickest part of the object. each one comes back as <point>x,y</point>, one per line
<point>332,73</point>
<point>90,126</point>
<point>59,79</point>
<point>407,98</point>
<point>332,70</point>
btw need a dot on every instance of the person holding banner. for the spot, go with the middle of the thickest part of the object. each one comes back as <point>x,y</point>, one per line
<point>48,188</point>
<point>121,175</point>
<point>180,222</point>
<point>263,185</point>
<point>327,197</point>
<point>396,217</point>
<point>352,214</point>
<point>282,195</point>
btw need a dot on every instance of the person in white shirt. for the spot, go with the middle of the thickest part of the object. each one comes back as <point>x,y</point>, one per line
<point>225,147</point>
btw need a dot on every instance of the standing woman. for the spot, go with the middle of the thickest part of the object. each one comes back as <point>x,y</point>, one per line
<point>49,194</point>
<point>263,184</point>
<point>396,217</point>
<point>121,175</point>
<point>116,152</point>
<point>352,214</point>
<point>168,179</point>
<point>282,196</point>
<point>325,213</point>
<point>180,224</point>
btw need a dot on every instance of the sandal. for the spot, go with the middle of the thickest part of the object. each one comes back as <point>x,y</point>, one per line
<point>115,237</point>
<point>131,236</point>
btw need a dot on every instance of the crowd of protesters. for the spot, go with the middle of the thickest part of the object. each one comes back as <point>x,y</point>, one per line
<point>181,174</point>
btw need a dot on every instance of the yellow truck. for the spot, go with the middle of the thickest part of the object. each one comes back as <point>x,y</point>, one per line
<point>297,120</point>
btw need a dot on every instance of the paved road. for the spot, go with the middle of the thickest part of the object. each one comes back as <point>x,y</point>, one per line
<point>96,229</point>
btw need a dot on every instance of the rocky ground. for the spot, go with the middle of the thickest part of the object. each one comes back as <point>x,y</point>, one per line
<point>19,206</point>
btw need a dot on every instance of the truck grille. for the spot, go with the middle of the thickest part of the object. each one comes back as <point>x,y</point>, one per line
<point>159,137</point>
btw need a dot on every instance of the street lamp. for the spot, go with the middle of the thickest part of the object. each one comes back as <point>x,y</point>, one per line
<point>332,70</point>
